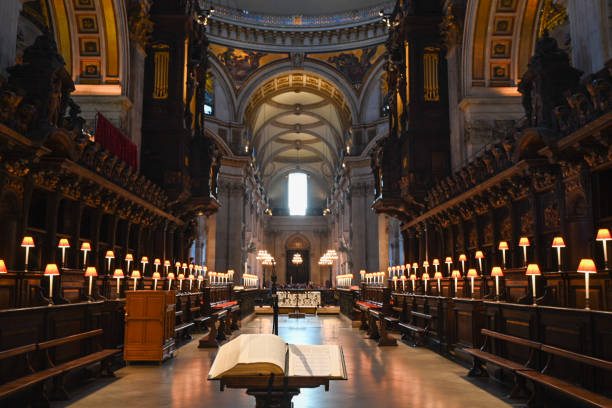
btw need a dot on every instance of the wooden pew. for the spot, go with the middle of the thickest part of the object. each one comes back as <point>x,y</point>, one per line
<point>214,335</point>
<point>53,367</point>
<point>417,332</point>
<point>541,379</point>
<point>379,329</point>
<point>184,322</point>
<point>483,355</point>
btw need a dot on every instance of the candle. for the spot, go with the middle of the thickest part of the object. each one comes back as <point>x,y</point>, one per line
<point>395,283</point>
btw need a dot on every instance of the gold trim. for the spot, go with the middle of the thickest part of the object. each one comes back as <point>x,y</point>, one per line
<point>161,58</point>
<point>62,32</point>
<point>110,34</point>
<point>480,39</point>
<point>430,73</point>
<point>527,40</point>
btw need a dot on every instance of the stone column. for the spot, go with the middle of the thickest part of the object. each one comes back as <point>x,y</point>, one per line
<point>587,29</point>
<point>9,19</point>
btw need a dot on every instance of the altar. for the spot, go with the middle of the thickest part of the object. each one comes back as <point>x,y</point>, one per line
<point>307,301</point>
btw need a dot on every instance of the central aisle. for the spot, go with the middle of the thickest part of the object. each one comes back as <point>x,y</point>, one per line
<point>378,377</point>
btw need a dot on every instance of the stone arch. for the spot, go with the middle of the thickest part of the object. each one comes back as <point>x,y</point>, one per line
<point>297,241</point>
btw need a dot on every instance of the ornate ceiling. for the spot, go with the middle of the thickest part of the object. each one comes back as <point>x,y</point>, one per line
<point>297,129</point>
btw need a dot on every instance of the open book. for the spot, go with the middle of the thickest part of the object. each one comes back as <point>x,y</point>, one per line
<point>265,354</point>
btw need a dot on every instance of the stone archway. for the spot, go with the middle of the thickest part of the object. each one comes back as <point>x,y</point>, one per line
<point>298,274</point>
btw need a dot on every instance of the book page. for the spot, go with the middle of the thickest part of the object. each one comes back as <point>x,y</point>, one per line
<point>263,348</point>
<point>227,357</point>
<point>315,361</point>
<point>249,349</point>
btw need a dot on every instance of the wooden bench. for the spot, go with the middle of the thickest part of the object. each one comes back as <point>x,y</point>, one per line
<point>379,329</point>
<point>182,328</point>
<point>412,328</point>
<point>214,335</point>
<point>235,315</point>
<point>541,379</point>
<point>482,355</point>
<point>364,308</point>
<point>54,370</point>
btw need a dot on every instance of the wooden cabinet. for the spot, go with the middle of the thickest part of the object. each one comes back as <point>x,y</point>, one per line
<point>149,325</point>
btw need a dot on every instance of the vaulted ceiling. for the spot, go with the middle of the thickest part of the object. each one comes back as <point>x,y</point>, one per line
<point>298,129</point>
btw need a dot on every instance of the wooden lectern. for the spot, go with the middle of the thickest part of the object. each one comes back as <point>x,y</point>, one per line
<point>149,325</point>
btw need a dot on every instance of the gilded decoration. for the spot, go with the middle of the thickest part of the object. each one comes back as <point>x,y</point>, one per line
<point>139,22</point>
<point>450,29</point>
<point>552,16</point>
<point>552,218</point>
<point>354,64</point>
<point>240,64</point>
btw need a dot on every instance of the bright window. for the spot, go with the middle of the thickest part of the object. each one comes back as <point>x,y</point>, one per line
<point>298,193</point>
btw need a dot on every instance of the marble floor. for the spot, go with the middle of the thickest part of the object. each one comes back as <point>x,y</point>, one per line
<point>378,377</point>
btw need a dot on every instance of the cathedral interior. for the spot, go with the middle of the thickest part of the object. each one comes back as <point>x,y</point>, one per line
<point>423,182</point>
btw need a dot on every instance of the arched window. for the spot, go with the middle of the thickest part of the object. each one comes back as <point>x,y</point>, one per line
<point>297,189</point>
<point>209,96</point>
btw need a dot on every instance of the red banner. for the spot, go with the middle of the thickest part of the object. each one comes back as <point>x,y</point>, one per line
<point>115,142</point>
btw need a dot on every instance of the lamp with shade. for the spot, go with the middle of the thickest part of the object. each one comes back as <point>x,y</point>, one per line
<point>425,265</point>
<point>3,266</point>
<point>403,279</point>
<point>472,274</point>
<point>438,276</point>
<point>448,261</point>
<point>190,268</point>
<point>604,236</point>
<point>362,274</point>
<point>177,265</point>
<point>200,280</point>
<point>480,256</point>
<point>157,262</point>
<point>27,243</point>
<point>128,258</point>
<point>181,278</point>
<point>90,272</point>
<point>533,270</point>
<point>191,278</point>
<point>51,270</point>
<point>415,266</point>
<point>135,275</point>
<point>425,278</point>
<point>144,261</point>
<point>524,243</point>
<point>497,272</point>
<point>167,264</point>
<point>503,246</point>
<point>463,259</point>
<point>118,274</point>
<point>413,279</point>
<point>587,266</point>
<point>395,283</point>
<point>110,255</point>
<point>558,243</point>
<point>184,266</point>
<point>156,277</point>
<point>85,247</point>
<point>390,269</point>
<point>170,278</point>
<point>456,275</point>
<point>63,245</point>
<point>436,263</point>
